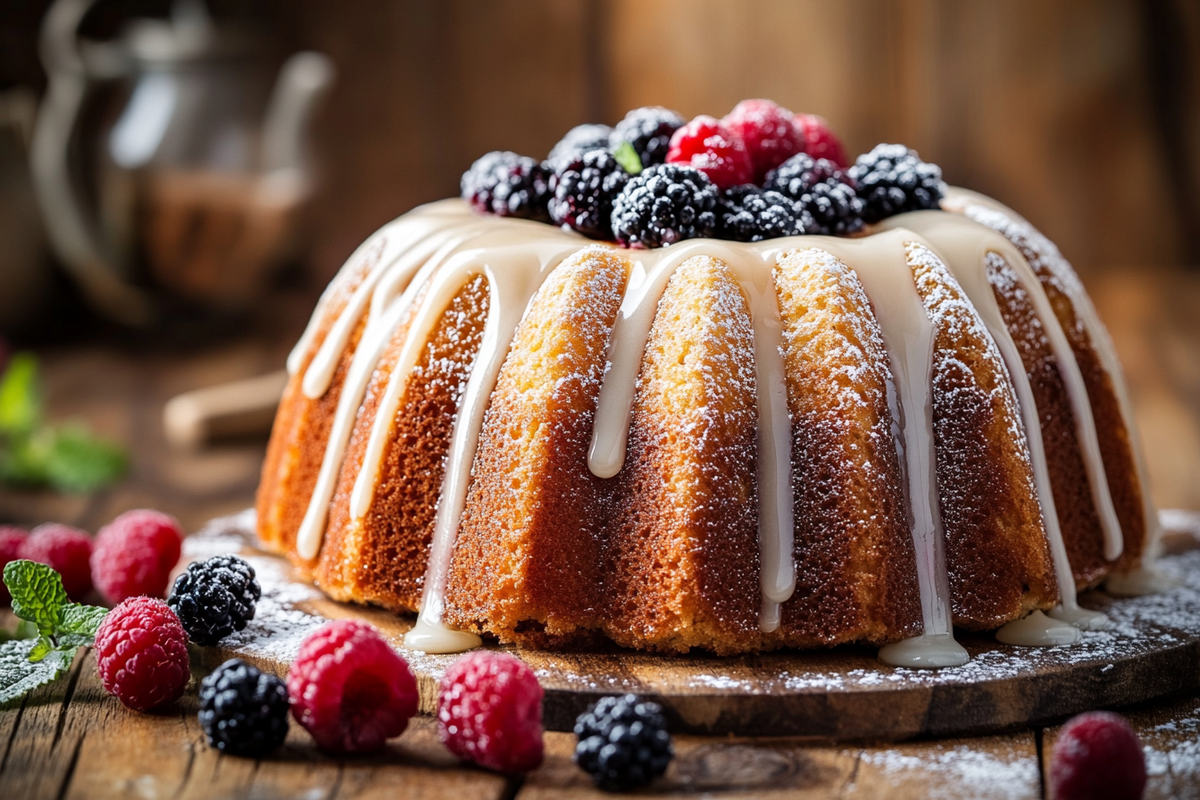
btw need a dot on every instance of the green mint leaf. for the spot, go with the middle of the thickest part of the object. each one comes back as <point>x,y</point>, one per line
<point>18,674</point>
<point>81,620</point>
<point>24,456</point>
<point>20,400</point>
<point>37,594</point>
<point>628,158</point>
<point>78,461</point>
<point>41,648</point>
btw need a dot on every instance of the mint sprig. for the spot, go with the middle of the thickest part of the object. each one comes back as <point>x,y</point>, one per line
<point>628,158</point>
<point>62,628</point>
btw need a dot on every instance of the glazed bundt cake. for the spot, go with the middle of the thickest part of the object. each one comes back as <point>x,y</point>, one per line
<point>792,441</point>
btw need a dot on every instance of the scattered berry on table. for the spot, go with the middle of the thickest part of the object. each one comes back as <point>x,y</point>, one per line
<point>822,190</point>
<point>751,214</point>
<point>507,184</point>
<point>243,711</point>
<point>622,743</point>
<point>135,554</point>
<point>350,689</point>
<point>665,204</point>
<point>1097,754</point>
<point>892,179</point>
<point>11,539</point>
<point>583,189</point>
<point>67,550</point>
<point>579,140</point>
<point>707,145</point>
<point>214,598</point>
<point>490,712</point>
<point>141,654</point>
<point>649,130</point>
<point>768,132</point>
<point>820,140</point>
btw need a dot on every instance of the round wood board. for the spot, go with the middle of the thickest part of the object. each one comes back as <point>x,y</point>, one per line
<point>1151,650</point>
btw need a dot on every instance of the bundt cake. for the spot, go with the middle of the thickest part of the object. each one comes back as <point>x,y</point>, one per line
<point>799,441</point>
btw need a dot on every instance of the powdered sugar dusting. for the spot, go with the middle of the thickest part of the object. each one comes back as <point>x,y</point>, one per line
<point>963,770</point>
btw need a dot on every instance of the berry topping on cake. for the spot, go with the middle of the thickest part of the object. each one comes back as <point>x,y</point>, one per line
<point>214,598</point>
<point>490,712</point>
<point>820,140</point>
<point>623,743</point>
<point>751,214</point>
<point>823,191</point>
<point>892,179</point>
<point>707,145</point>
<point>141,654</point>
<point>579,140</point>
<point>65,549</point>
<point>583,190</point>
<point>11,540</point>
<point>350,689</point>
<point>649,130</point>
<point>768,132</point>
<point>663,205</point>
<point>1097,754</point>
<point>243,711</point>
<point>135,554</point>
<point>508,185</point>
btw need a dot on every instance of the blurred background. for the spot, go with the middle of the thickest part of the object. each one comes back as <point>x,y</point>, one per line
<point>179,180</point>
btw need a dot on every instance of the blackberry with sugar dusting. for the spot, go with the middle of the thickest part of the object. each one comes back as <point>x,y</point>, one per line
<point>751,214</point>
<point>579,140</point>
<point>508,185</point>
<point>583,190</point>
<point>648,130</point>
<point>892,179</point>
<point>243,711</point>
<point>622,743</point>
<point>214,598</point>
<point>823,191</point>
<point>665,204</point>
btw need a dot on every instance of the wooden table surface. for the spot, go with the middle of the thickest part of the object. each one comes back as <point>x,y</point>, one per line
<point>70,740</point>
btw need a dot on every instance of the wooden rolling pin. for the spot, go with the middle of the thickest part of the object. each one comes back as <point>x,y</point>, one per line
<point>241,408</point>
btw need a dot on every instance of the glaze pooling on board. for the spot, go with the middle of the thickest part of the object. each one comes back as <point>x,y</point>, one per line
<point>413,267</point>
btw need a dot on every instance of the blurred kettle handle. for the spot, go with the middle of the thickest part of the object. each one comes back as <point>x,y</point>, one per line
<point>71,234</point>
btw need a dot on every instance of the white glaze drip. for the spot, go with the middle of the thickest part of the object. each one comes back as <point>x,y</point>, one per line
<point>1038,630</point>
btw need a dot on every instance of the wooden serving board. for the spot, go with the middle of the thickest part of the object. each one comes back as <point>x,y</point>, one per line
<point>1151,650</point>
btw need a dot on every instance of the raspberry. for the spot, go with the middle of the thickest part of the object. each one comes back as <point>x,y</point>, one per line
<point>67,550</point>
<point>578,141</point>
<point>823,191</point>
<point>707,145</point>
<point>648,130</point>
<point>141,654</point>
<point>507,184</point>
<point>820,140</point>
<point>584,188</point>
<point>11,540</point>
<point>490,712</point>
<point>243,711</point>
<point>350,689</point>
<point>663,205</point>
<point>768,131</point>
<point>622,743</point>
<point>892,179</point>
<point>135,554</point>
<point>214,598</point>
<point>1097,754</point>
<point>750,214</point>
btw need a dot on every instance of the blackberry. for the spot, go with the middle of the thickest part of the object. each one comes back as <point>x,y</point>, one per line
<point>507,184</point>
<point>649,130</point>
<point>622,743</point>
<point>583,190</point>
<point>243,711</point>
<point>751,214</point>
<point>578,141</point>
<point>214,598</point>
<point>892,179</point>
<point>665,204</point>
<point>823,191</point>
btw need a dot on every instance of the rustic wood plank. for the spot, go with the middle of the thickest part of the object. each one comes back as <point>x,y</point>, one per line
<point>986,767</point>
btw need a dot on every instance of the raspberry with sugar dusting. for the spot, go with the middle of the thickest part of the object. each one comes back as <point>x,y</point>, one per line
<point>67,551</point>
<point>490,712</point>
<point>707,145</point>
<point>768,131</point>
<point>135,554</point>
<point>141,654</point>
<point>350,689</point>
<point>1097,754</point>
<point>819,139</point>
